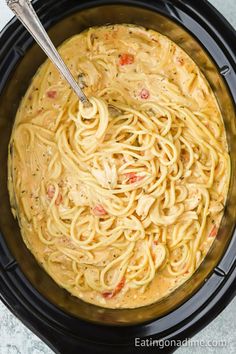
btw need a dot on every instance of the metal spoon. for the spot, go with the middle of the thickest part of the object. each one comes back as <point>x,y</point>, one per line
<point>24,11</point>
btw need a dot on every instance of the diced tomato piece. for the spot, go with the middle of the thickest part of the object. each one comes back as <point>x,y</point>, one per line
<point>51,192</point>
<point>202,247</point>
<point>180,61</point>
<point>213,232</point>
<point>184,156</point>
<point>111,294</point>
<point>136,179</point>
<point>119,286</point>
<point>107,294</point>
<point>126,59</point>
<point>132,177</point>
<point>98,210</point>
<point>184,265</point>
<point>144,94</point>
<point>52,94</point>
<point>59,199</point>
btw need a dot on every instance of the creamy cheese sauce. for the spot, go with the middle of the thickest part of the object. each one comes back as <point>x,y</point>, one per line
<point>120,202</point>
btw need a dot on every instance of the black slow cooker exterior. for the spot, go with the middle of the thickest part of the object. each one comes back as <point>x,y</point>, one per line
<point>68,325</point>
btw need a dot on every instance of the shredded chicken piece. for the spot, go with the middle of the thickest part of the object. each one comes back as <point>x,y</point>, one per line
<point>78,196</point>
<point>144,204</point>
<point>107,178</point>
<point>158,254</point>
<point>193,200</point>
<point>215,207</point>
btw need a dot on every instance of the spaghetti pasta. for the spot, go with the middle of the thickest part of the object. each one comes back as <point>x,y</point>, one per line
<point>119,201</point>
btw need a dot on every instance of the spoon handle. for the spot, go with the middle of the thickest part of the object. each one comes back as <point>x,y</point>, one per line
<point>24,11</point>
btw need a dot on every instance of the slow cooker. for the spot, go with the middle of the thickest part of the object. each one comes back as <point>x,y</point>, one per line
<point>69,325</point>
